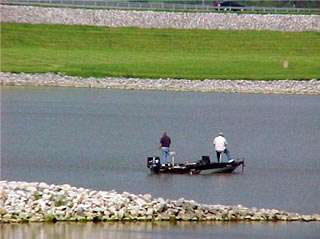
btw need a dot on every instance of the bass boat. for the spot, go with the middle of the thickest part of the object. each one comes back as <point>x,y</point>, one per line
<point>203,166</point>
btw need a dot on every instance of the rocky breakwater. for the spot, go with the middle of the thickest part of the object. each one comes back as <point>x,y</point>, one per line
<point>307,87</point>
<point>39,202</point>
<point>154,19</point>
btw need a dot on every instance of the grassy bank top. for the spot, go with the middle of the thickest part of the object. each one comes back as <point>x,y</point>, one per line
<point>159,53</point>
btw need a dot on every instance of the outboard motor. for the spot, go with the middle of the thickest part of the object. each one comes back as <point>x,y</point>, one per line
<point>154,164</point>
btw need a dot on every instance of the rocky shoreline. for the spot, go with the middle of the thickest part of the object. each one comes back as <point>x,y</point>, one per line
<point>41,202</point>
<point>154,19</point>
<point>306,87</point>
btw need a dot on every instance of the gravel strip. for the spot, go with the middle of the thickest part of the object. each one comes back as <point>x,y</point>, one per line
<point>151,19</point>
<point>309,87</point>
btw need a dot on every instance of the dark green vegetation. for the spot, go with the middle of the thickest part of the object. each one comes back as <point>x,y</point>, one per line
<point>155,53</point>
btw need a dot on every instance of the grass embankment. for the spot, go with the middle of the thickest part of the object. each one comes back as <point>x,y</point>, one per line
<point>159,53</point>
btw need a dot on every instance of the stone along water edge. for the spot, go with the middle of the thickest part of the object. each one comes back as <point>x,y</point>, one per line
<point>41,202</point>
<point>305,87</point>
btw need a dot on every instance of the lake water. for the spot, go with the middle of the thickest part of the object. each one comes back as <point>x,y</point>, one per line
<point>100,139</point>
<point>163,230</point>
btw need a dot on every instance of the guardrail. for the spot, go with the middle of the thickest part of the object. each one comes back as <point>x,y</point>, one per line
<point>164,6</point>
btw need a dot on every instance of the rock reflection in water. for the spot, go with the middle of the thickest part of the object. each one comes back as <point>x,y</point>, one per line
<point>160,230</point>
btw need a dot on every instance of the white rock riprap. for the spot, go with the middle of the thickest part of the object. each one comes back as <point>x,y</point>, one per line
<point>307,87</point>
<point>39,202</point>
<point>154,19</point>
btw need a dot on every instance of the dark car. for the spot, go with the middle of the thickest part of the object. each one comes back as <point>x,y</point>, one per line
<point>228,4</point>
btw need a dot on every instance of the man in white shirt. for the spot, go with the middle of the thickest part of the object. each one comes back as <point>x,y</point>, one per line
<point>220,145</point>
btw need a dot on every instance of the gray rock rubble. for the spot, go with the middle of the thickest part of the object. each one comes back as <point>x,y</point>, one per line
<point>154,19</point>
<point>39,202</point>
<point>307,87</point>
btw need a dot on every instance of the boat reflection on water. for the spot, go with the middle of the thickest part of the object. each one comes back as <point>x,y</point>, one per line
<point>160,230</point>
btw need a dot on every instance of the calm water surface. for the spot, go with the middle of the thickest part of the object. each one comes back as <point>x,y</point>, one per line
<point>100,139</point>
<point>163,230</point>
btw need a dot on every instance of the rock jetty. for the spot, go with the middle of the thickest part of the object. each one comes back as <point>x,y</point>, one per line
<point>40,202</point>
<point>156,19</point>
<point>306,87</point>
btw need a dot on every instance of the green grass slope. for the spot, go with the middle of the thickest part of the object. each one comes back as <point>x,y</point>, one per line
<point>159,53</point>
